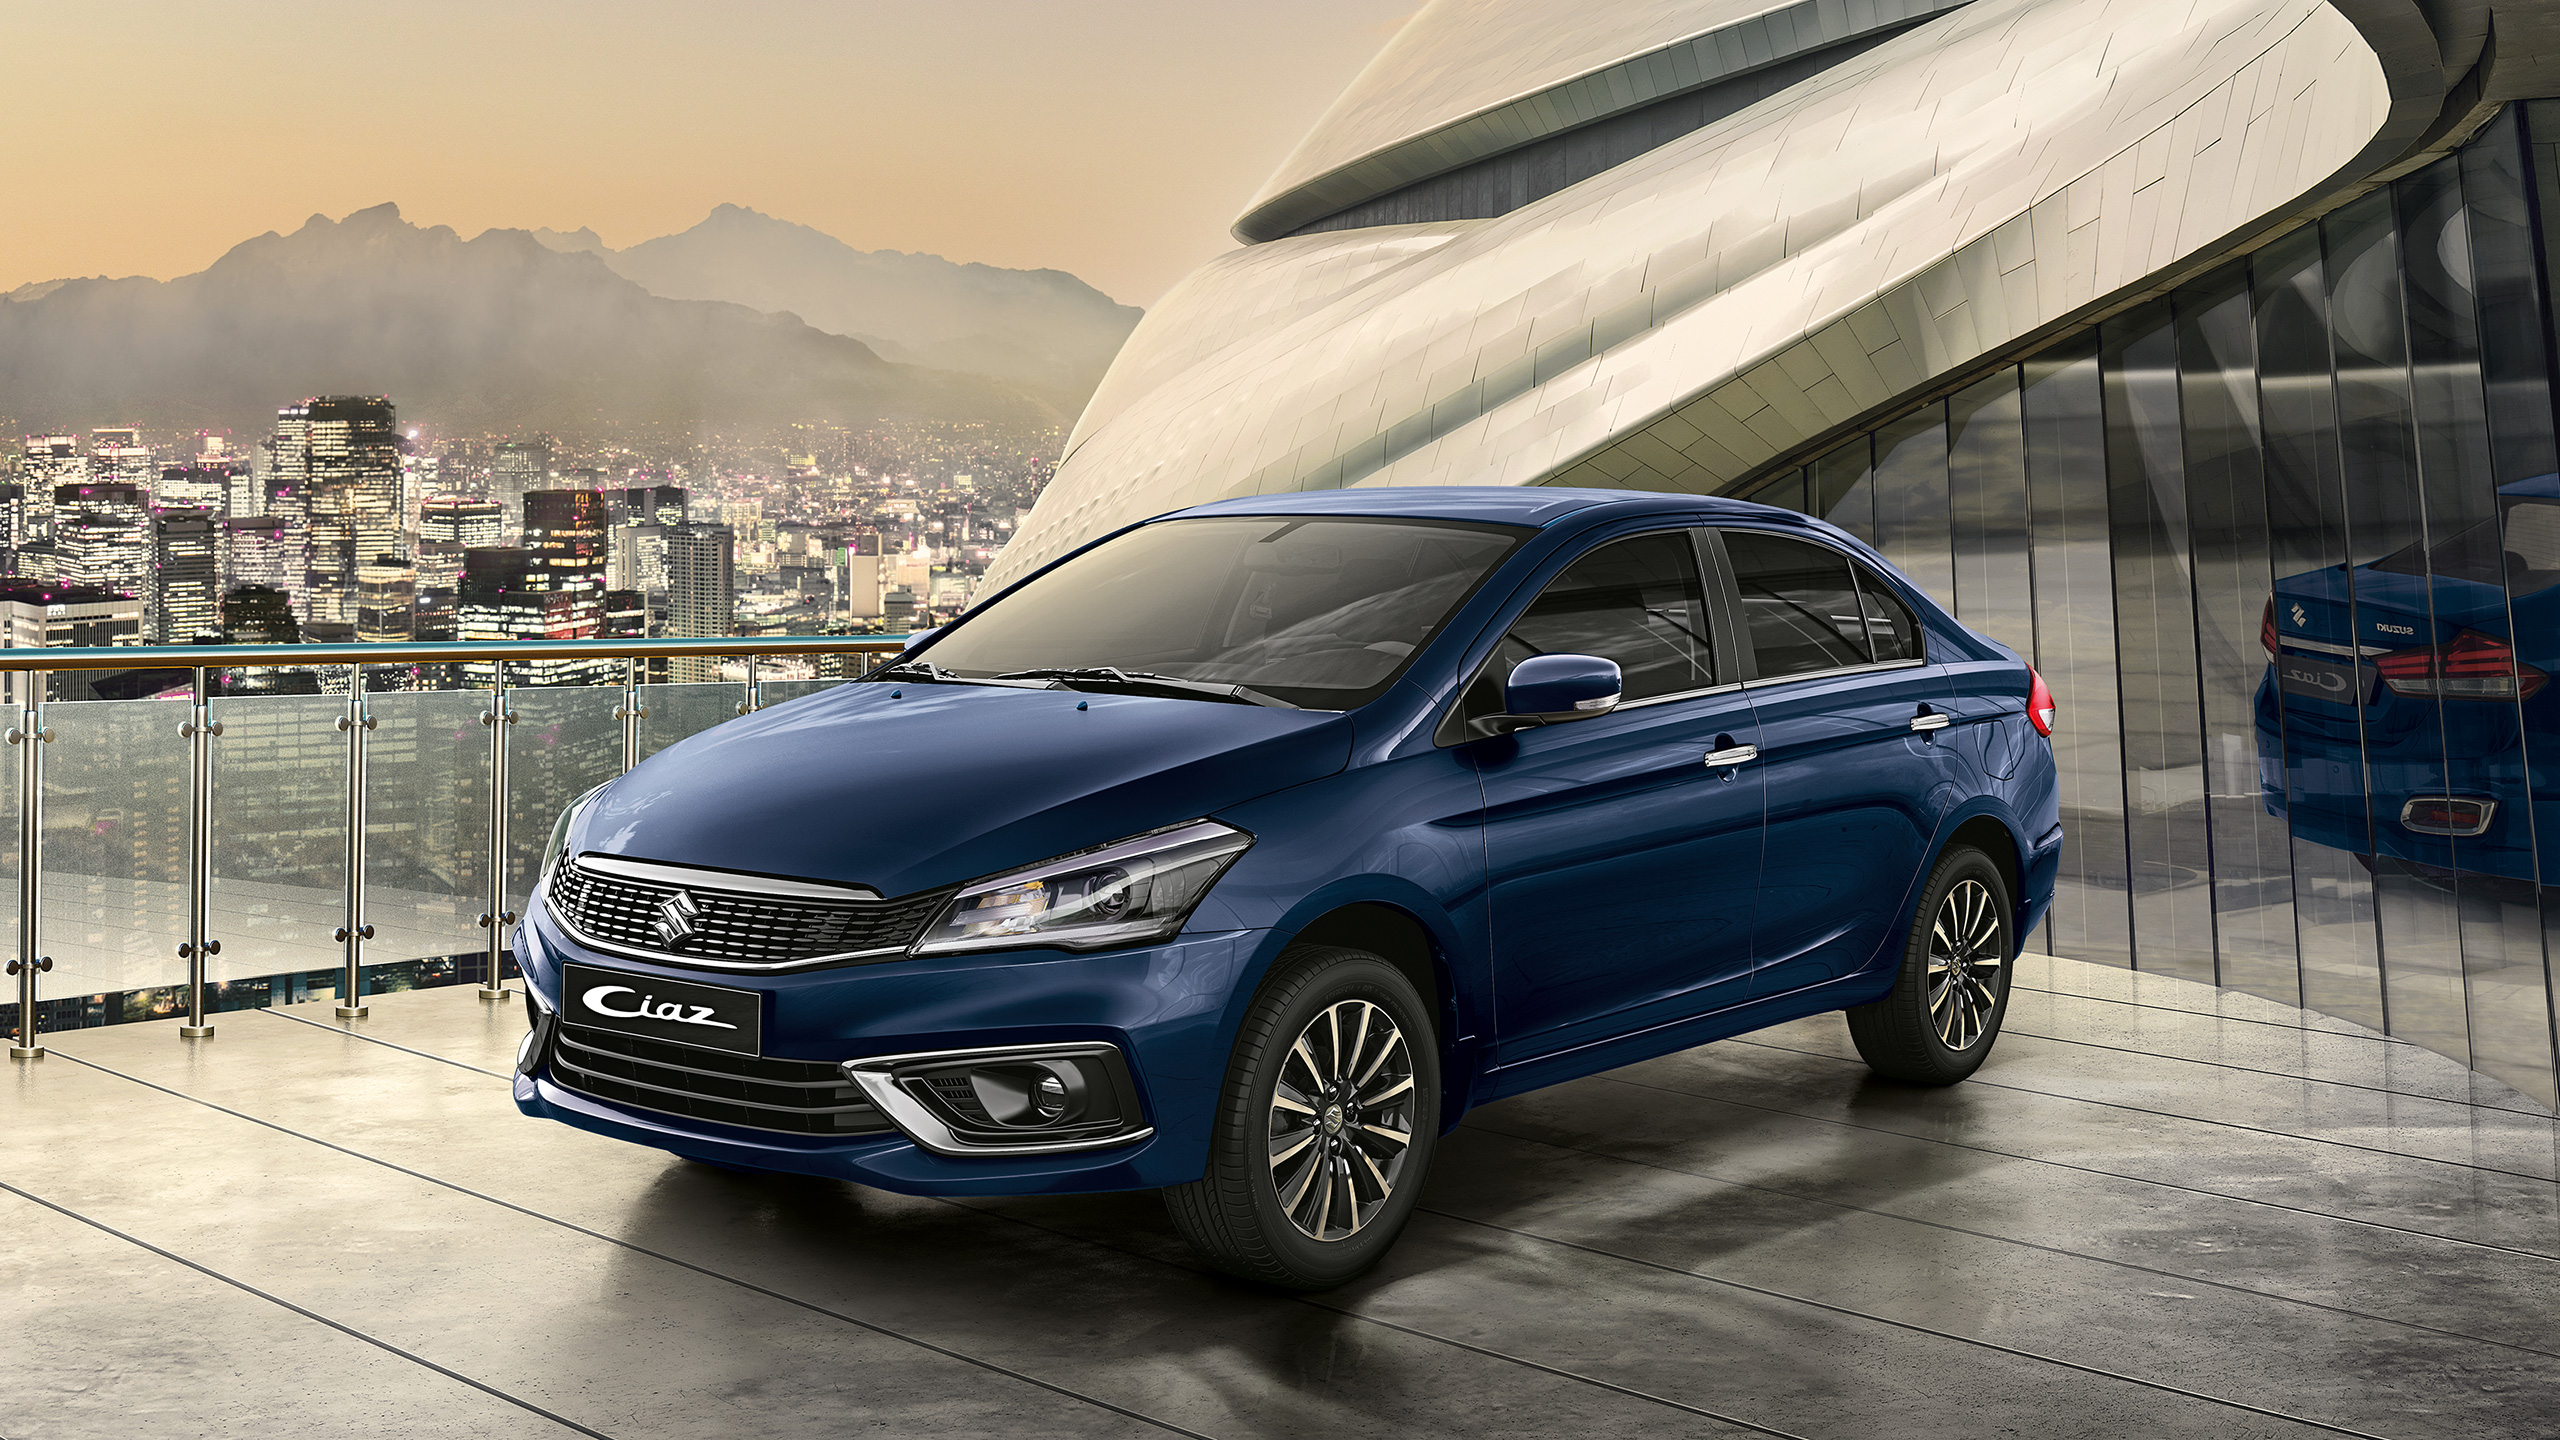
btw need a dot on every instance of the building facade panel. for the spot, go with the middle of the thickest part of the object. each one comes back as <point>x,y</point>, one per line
<point>1695,232</point>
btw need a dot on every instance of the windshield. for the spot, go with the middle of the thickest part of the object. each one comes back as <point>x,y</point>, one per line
<point>1321,613</point>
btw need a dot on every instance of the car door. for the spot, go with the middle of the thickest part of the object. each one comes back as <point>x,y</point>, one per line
<point>1853,751</point>
<point>1622,852</point>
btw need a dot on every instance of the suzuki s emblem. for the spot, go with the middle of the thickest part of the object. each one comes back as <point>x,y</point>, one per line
<point>2301,617</point>
<point>675,917</point>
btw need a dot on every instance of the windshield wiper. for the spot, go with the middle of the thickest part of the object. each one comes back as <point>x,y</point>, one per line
<point>1084,676</point>
<point>931,673</point>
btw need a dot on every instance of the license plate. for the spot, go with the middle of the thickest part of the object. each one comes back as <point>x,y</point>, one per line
<point>2344,684</point>
<point>710,1016</point>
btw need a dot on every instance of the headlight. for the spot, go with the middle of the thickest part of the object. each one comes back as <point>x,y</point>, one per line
<point>559,840</point>
<point>1138,889</point>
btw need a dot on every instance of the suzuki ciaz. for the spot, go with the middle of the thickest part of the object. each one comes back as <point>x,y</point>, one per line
<point>1242,851</point>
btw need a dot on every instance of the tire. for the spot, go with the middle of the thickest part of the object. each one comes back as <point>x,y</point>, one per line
<point>1314,1025</point>
<point>1927,1031</point>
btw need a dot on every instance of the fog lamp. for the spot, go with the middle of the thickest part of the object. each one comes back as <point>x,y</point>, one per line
<point>1007,1100</point>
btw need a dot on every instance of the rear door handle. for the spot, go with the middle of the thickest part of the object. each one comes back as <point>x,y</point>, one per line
<point>1930,722</point>
<point>1735,755</point>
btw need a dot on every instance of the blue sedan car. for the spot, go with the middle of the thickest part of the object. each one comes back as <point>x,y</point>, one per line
<point>1241,852</point>
<point>2400,696</point>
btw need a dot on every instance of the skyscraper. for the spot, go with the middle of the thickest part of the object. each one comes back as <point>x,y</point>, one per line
<point>645,504</point>
<point>197,486</point>
<point>702,590</point>
<point>522,465</point>
<point>260,551</point>
<point>258,615</point>
<point>46,464</point>
<point>186,580</point>
<point>498,602</point>
<point>116,453</point>
<point>472,524</point>
<point>353,449</point>
<point>102,536</point>
<point>564,540</point>
<point>386,602</point>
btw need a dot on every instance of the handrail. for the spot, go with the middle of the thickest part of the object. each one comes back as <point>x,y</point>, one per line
<point>429,652</point>
<point>32,734</point>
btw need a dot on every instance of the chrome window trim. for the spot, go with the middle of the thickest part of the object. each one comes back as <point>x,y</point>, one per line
<point>1723,689</point>
<point>1872,665</point>
<point>694,877</point>
<point>877,1076</point>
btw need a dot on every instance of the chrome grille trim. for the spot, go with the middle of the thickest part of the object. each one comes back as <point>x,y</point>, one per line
<point>793,1097</point>
<point>694,877</point>
<point>738,922</point>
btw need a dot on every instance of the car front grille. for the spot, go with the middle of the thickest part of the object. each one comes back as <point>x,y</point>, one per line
<point>730,921</point>
<point>798,1097</point>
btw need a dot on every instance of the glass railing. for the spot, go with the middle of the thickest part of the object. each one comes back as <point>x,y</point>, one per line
<point>201,851</point>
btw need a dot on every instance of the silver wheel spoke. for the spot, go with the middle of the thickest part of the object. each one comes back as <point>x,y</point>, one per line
<point>1965,963</point>
<point>1381,1097</point>
<point>1341,1119</point>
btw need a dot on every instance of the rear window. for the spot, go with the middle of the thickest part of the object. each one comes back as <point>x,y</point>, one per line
<point>2520,550</point>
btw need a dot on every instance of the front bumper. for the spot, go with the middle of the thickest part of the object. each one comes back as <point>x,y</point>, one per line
<point>1165,1007</point>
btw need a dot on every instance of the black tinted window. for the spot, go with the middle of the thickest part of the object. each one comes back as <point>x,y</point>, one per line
<point>2520,550</point>
<point>1635,601</point>
<point>1891,627</point>
<point>1800,605</point>
<point>1319,612</point>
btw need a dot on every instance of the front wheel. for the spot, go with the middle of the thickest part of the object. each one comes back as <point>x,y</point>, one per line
<point>1324,1127</point>
<point>1936,1025</point>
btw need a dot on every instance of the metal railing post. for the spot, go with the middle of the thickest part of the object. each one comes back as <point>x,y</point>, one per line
<point>493,984</point>
<point>755,689</point>
<point>630,712</point>
<point>32,737</point>
<point>198,731</point>
<point>356,722</point>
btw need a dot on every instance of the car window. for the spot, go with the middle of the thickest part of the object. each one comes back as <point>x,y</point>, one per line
<point>1637,601</point>
<point>2520,549</point>
<point>1801,606</point>
<point>1891,627</point>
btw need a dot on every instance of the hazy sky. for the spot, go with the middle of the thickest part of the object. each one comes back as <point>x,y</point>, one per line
<point>1112,138</point>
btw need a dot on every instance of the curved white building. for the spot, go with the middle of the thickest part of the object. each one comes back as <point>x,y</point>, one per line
<point>1968,279</point>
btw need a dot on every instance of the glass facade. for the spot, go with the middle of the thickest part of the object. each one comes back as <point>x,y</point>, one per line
<point>2286,546</point>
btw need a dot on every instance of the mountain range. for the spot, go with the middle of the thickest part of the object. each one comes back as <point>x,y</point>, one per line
<point>1042,328</point>
<point>504,331</point>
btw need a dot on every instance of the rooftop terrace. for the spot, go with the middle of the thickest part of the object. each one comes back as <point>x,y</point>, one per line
<point>2160,1210</point>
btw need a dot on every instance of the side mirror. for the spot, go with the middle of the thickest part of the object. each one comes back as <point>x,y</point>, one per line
<point>1549,689</point>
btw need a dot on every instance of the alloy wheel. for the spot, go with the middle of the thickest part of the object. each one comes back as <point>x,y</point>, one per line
<point>1966,956</point>
<point>1341,1122</point>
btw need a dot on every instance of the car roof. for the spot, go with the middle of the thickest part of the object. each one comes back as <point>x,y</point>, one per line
<point>1532,505</point>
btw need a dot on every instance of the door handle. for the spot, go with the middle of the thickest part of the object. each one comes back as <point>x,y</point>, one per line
<point>1733,755</point>
<point>1931,721</point>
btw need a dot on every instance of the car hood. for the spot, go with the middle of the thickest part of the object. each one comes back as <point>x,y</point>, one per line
<point>909,787</point>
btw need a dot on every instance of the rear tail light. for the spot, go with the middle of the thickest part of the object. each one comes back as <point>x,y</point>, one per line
<point>2473,667</point>
<point>2447,815</point>
<point>2267,628</point>
<point>2039,703</point>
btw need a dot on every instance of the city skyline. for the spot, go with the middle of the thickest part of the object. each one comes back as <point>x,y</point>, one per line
<point>636,120</point>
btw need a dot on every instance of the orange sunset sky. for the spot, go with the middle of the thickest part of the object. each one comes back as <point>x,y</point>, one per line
<point>1112,138</point>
